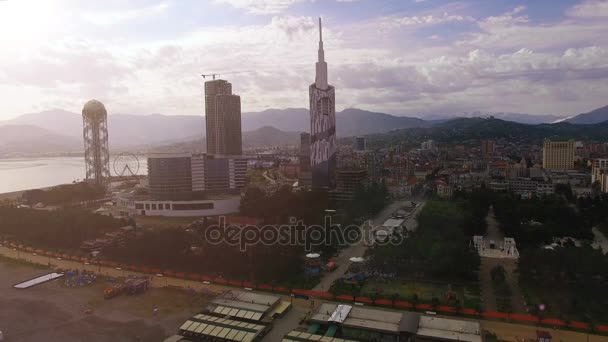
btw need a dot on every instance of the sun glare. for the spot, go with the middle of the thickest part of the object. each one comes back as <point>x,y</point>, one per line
<point>25,21</point>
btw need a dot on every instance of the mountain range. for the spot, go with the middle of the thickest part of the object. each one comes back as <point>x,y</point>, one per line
<point>58,130</point>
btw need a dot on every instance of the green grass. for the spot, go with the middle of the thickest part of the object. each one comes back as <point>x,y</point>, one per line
<point>559,304</point>
<point>468,295</point>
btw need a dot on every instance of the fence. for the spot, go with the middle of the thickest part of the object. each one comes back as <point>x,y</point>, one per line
<point>448,310</point>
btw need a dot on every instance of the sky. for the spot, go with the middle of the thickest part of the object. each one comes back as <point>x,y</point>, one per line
<point>403,57</point>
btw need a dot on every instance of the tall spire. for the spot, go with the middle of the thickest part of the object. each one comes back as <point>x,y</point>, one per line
<point>321,66</point>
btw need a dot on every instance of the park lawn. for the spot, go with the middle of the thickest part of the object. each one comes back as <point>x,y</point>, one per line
<point>469,294</point>
<point>558,303</point>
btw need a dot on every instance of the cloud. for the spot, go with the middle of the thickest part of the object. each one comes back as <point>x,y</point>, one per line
<point>107,18</point>
<point>427,20</point>
<point>590,9</point>
<point>496,62</point>
<point>260,7</point>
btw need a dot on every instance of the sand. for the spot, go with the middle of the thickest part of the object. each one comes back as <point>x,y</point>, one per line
<point>53,312</point>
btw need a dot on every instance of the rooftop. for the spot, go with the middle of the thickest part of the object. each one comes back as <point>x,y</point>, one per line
<point>368,319</point>
<point>449,329</point>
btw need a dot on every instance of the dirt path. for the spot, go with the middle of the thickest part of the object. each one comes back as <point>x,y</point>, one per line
<point>510,266</point>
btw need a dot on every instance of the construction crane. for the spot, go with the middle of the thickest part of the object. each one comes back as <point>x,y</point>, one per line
<point>223,73</point>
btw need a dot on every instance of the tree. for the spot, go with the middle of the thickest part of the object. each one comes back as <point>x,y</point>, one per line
<point>434,303</point>
<point>394,298</point>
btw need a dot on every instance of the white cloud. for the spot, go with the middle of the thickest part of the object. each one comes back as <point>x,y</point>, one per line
<point>114,17</point>
<point>426,20</point>
<point>260,7</point>
<point>590,9</point>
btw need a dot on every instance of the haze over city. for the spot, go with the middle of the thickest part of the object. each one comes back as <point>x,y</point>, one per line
<point>405,57</point>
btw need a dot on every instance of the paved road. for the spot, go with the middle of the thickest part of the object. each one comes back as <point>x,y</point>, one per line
<point>516,332</point>
<point>284,325</point>
<point>358,250</point>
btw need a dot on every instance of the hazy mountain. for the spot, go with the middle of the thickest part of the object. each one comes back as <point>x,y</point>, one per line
<point>268,136</point>
<point>514,117</point>
<point>261,137</point>
<point>126,130</point>
<point>290,119</point>
<point>16,139</point>
<point>349,122</point>
<point>471,130</point>
<point>353,121</point>
<point>592,117</point>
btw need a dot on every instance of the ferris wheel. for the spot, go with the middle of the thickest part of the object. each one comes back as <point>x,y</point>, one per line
<point>126,164</point>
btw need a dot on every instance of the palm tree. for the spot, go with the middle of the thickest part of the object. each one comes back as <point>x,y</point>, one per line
<point>435,303</point>
<point>415,299</point>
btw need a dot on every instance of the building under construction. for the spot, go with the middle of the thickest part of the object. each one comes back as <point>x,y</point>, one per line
<point>95,133</point>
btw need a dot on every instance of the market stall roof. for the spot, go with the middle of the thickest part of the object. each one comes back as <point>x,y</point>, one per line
<point>205,326</point>
<point>301,336</point>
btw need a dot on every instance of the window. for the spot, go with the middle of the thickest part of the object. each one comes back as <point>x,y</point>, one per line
<point>193,206</point>
<point>324,106</point>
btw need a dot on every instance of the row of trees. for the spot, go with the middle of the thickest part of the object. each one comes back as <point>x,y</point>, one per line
<point>190,252</point>
<point>60,229</point>
<point>578,278</point>
<point>65,194</point>
<point>438,249</point>
<point>537,220</point>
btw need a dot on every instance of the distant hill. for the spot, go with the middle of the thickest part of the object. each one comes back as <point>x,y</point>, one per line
<point>261,137</point>
<point>290,119</point>
<point>353,121</point>
<point>127,130</point>
<point>140,132</point>
<point>22,139</point>
<point>592,117</point>
<point>515,117</point>
<point>463,130</point>
<point>349,122</point>
<point>124,129</point>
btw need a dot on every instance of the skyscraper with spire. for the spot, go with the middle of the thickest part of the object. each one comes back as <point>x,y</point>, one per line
<point>322,125</point>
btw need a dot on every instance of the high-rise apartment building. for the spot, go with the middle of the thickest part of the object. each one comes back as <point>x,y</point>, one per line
<point>360,144</point>
<point>558,155</point>
<point>304,178</point>
<point>322,125</point>
<point>223,119</point>
<point>186,176</point>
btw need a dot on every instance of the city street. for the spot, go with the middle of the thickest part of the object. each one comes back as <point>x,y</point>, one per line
<point>358,250</point>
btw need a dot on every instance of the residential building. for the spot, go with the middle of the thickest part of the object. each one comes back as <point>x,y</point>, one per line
<point>185,176</point>
<point>428,145</point>
<point>488,148</point>
<point>360,143</point>
<point>558,155</point>
<point>444,190</point>
<point>322,125</point>
<point>305,175</point>
<point>223,119</point>
<point>347,183</point>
